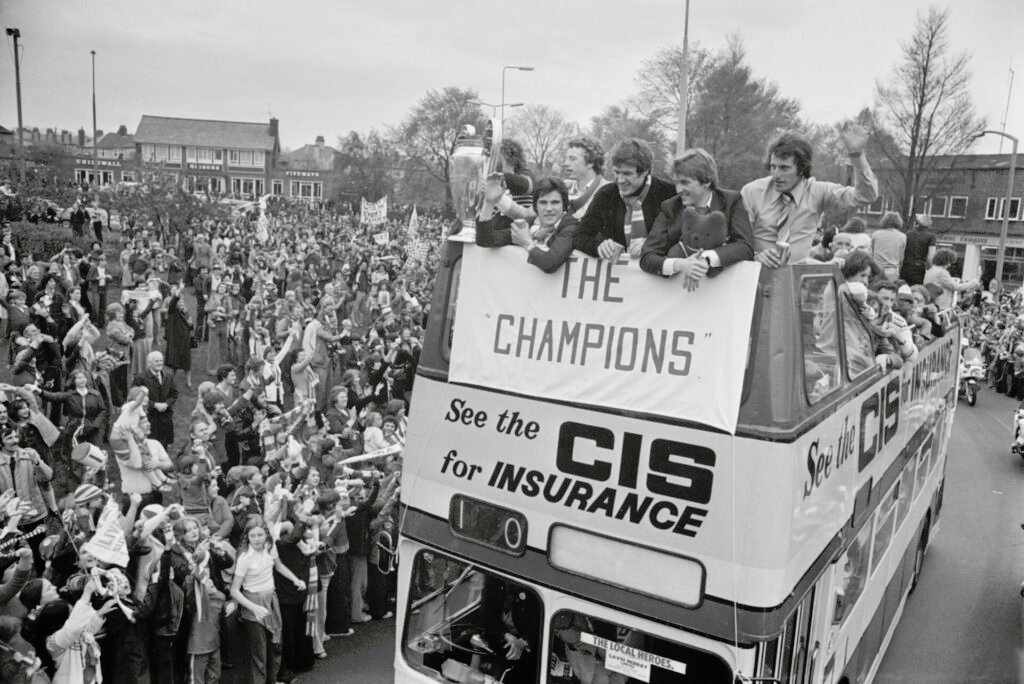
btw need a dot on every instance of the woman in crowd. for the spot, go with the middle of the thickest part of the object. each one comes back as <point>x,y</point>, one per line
<point>178,351</point>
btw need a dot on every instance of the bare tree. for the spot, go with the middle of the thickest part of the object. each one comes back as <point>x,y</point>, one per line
<point>925,107</point>
<point>543,133</point>
<point>658,83</point>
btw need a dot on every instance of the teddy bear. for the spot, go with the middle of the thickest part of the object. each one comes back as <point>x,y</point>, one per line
<point>699,232</point>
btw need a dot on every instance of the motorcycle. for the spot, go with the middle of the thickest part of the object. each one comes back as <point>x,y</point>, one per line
<point>1018,432</point>
<point>972,374</point>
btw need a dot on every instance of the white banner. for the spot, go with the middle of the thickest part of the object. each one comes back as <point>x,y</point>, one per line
<point>374,213</point>
<point>381,238</point>
<point>605,334</point>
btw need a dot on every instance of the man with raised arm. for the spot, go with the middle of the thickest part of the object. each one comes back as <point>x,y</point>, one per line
<point>621,213</point>
<point>786,206</point>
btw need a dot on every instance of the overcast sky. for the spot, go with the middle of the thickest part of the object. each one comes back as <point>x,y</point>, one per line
<point>331,66</point>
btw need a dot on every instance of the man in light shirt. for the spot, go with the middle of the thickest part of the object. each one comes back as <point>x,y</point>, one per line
<point>786,207</point>
<point>584,163</point>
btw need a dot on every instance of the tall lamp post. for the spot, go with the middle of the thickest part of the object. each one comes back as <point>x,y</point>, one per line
<point>684,84</point>
<point>503,70</point>
<point>95,145</point>
<point>1005,227</point>
<point>16,34</point>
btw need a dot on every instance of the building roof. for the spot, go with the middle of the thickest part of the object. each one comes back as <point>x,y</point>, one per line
<point>310,158</point>
<point>5,131</point>
<point>994,162</point>
<point>116,141</point>
<point>166,130</point>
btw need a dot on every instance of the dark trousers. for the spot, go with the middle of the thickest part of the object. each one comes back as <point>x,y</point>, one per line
<point>264,656</point>
<point>339,615</point>
<point>296,645</point>
<point>376,592</point>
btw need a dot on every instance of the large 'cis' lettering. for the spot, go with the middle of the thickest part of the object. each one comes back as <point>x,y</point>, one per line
<point>879,421</point>
<point>676,470</point>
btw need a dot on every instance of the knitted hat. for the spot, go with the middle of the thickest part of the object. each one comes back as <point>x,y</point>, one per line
<point>86,493</point>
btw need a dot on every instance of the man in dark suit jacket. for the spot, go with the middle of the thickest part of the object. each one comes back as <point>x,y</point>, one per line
<point>162,395</point>
<point>667,231</point>
<point>696,178</point>
<point>602,230</point>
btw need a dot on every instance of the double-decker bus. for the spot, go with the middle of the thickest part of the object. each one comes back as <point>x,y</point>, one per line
<point>610,479</point>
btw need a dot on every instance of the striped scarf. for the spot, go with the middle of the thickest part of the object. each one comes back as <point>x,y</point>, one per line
<point>635,226</point>
<point>578,202</point>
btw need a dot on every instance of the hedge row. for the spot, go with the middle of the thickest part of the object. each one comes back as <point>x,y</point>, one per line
<point>43,240</point>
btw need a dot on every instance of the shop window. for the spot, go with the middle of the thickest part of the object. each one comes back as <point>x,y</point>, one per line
<point>994,208</point>
<point>127,176</point>
<point>1014,208</point>
<point>277,187</point>
<point>877,206</point>
<point>464,622</point>
<point>820,336</point>
<point>957,207</point>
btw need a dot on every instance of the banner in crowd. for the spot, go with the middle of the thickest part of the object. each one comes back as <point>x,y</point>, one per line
<point>417,252</point>
<point>381,238</point>
<point>414,223</point>
<point>605,334</point>
<point>374,213</point>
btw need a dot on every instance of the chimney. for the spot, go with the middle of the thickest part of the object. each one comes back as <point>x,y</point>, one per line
<point>51,135</point>
<point>122,130</point>
<point>273,126</point>
<point>65,137</point>
<point>35,135</point>
<point>319,141</point>
<point>81,137</point>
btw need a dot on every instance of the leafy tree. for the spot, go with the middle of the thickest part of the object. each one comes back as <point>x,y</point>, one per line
<point>428,134</point>
<point>160,199</point>
<point>543,132</point>
<point>925,107</point>
<point>658,81</point>
<point>736,115</point>
<point>616,122</point>
<point>366,166</point>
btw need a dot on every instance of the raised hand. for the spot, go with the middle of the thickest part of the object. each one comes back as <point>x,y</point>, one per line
<point>854,138</point>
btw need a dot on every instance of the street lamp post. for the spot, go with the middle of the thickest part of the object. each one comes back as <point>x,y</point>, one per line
<point>16,34</point>
<point>95,146</point>
<point>503,70</point>
<point>1005,227</point>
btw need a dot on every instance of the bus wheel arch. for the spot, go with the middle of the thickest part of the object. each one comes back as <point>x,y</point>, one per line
<point>922,546</point>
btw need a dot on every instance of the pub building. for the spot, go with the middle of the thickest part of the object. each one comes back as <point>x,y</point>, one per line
<point>965,198</point>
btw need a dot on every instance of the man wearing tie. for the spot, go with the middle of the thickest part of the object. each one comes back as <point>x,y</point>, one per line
<point>162,395</point>
<point>786,207</point>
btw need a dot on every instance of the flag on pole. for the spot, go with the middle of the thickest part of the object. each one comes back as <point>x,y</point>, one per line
<point>414,222</point>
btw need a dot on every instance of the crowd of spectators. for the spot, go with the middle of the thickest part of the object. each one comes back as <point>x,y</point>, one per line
<point>246,514</point>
